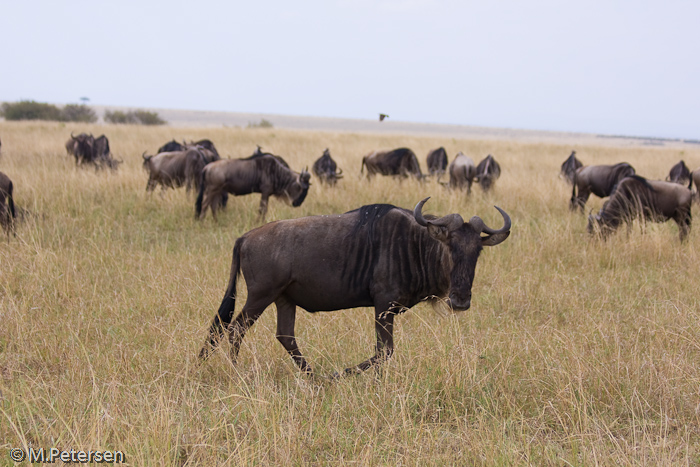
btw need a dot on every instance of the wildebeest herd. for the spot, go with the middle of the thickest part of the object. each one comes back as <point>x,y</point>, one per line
<point>379,255</point>
<point>631,196</point>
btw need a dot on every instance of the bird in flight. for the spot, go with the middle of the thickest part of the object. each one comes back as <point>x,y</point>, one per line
<point>382,117</point>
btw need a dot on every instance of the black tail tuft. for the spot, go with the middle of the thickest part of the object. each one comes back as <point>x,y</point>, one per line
<point>200,195</point>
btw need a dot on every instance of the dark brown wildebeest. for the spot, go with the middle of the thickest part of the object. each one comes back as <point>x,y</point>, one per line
<point>102,155</point>
<point>437,161</point>
<point>175,169</point>
<point>7,213</point>
<point>649,200</point>
<point>171,146</point>
<point>90,150</point>
<point>402,162</point>
<point>569,167</point>
<point>262,174</point>
<point>326,169</point>
<point>462,172</point>
<point>679,174</point>
<point>487,172</point>
<point>378,255</point>
<point>600,180</point>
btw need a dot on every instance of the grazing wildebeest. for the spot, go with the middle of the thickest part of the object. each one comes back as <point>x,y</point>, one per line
<point>437,161</point>
<point>487,172</point>
<point>569,167</point>
<point>171,146</point>
<point>90,150</point>
<point>401,161</point>
<point>650,200</point>
<point>679,174</point>
<point>7,213</point>
<point>462,172</point>
<point>326,169</point>
<point>378,255</point>
<point>175,169</point>
<point>600,180</point>
<point>262,174</point>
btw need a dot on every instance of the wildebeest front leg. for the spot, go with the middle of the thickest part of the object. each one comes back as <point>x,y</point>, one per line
<point>286,315</point>
<point>262,210</point>
<point>384,326</point>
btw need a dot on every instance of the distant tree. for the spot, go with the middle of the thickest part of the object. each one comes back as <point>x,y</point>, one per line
<point>262,124</point>
<point>78,113</point>
<point>133,117</point>
<point>30,110</point>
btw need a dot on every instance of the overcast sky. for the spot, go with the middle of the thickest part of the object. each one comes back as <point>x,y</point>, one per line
<point>599,66</point>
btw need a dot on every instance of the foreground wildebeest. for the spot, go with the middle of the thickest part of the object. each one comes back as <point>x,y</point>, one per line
<point>679,174</point>
<point>326,169</point>
<point>600,180</point>
<point>378,255</point>
<point>437,161</point>
<point>569,167</point>
<point>487,172</point>
<point>175,169</point>
<point>650,200</point>
<point>401,161</point>
<point>7,213</point>
<point>462,172</point>
<point>262,174</point>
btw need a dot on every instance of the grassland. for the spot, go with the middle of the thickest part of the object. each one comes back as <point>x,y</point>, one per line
<point>575,351</point>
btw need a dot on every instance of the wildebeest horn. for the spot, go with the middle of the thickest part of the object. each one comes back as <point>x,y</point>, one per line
<point>418,213</point>
<point>144,155</point>
<point>479,225</point>
<point>451,221</point>
<point>71,135</point>
<point>339,172</point>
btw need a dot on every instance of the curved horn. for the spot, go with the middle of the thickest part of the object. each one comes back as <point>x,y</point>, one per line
<point>339,172</point>
<point>144,156</point>
<point>479,224</point>
<point>71,135</point>
<point>418,213</point>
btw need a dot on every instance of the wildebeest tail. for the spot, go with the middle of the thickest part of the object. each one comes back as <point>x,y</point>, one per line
<point>200,195</point>
<point>572,204</point>
<point>223,317</point>
<point>362,168</point>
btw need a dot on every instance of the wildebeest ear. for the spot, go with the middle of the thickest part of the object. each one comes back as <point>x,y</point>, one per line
<point>438,232</point>
<point>495,239</point>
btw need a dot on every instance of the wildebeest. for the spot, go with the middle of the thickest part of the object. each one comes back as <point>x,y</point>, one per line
<point>326,170</point>
<point>90,150</point>
<point>487,172</point>
<point>262,174</point>
<point>462,172</point>
<point>651,200</point>
<point>171,146</point>
<point>378,255</point>
<point>401,161</point>
<point>600,180</point>
<point>175,169</point>
<point>695,178</point>
<point>437,161</point>
<point>569,167</point>
<point>679,174</point>
<point>7,213</point>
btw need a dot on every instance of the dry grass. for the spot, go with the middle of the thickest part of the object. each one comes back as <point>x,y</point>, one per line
<point>575,352</point>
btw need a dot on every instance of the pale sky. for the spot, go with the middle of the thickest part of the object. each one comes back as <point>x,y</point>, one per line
<point>612,67</point>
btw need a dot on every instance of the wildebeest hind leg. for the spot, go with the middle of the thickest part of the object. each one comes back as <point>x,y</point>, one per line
<point>286,315</point>
<point>384,326</point>
<point>251,312</point>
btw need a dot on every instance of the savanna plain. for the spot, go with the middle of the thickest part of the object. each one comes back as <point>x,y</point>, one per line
<point>575,351</point>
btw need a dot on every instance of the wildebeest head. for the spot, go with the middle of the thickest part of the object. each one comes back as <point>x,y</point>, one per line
<point>297,191</point>
<point>464,241</point>
<point>679,174</point>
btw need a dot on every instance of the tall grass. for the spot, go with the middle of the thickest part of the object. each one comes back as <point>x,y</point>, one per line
<point>575,351</point>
